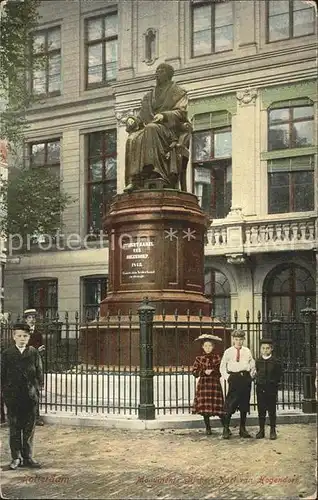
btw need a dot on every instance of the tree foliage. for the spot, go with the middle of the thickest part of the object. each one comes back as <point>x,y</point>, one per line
<point>18,20</point>
<point>33,201</point>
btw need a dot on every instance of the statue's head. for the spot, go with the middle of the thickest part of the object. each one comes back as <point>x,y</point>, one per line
<point>164,72</point>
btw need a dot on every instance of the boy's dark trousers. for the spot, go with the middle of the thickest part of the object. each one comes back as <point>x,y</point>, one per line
<point>238,397</point>
<point>21,418</point>
<point>266,401</point>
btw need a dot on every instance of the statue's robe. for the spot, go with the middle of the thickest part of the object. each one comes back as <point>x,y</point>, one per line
<point>150,144</point>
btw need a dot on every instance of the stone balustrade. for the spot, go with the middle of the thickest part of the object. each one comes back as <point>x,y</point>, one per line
<point>246,236</point>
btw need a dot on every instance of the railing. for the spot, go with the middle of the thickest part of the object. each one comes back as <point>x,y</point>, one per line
<point>142,366</point>
<point>254,236</point>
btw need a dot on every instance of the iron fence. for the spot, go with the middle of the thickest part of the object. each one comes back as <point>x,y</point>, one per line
<point>121,365</point>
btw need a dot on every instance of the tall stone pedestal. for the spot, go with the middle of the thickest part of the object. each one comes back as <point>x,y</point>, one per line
<point>156,250</point>
<point>156,240</point>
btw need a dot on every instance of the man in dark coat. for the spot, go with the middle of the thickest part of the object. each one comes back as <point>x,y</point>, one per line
<point>21,378</point>
<point>268,375</point>
<point>36,341</point>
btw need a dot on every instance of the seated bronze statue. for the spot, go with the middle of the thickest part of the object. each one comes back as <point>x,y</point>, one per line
<point>157,147</point>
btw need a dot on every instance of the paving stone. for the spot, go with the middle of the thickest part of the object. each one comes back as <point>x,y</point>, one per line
<point>92,463</point>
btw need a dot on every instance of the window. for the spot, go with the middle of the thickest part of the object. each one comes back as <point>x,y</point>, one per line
<point>291,125</point>
<point>101,50</point>
<point>289,19</point>
<point>46,73</point>
<point>286,290</point>
<point>101,176</point>
<point>291,185</point>
<point>211,155</point>
<point>217,289</point>
<point>42,295</point>
<point>212,27</point>
<point>94,291</point>
<point>45,154</point>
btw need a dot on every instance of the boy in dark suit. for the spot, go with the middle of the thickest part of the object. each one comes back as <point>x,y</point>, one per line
<point>21,379</point>
<point>268,375</point>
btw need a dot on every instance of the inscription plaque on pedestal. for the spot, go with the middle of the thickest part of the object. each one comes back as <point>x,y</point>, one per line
<point>137,260</point>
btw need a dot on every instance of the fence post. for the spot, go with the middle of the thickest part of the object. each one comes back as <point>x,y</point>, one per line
<point>309,403</point>
<point>146,408</point>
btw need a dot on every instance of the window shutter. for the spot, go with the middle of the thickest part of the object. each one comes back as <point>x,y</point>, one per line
<point>291,103</point>
<point>291,164</point>
<point>205,121</point>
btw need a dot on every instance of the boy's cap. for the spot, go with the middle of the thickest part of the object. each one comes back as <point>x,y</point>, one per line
<point>29,311</point>
<point>239,334</point>
<point>21,326</point>
<point>266,341</point>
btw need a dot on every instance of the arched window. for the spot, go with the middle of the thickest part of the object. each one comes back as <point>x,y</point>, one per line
<point>286,290</point>
<point>217,288</point>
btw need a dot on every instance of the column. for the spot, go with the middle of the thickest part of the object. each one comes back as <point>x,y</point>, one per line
<point>125,69</point>
<point>244,149</point>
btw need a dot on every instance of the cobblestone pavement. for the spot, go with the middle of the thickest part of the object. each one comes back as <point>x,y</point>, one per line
<point>91,463</point>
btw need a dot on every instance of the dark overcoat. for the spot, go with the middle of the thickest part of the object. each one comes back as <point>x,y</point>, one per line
<point>208,396</point>
<point>21,376</point>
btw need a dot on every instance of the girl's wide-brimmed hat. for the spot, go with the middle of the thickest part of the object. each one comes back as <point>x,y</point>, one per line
<point>207,336</point>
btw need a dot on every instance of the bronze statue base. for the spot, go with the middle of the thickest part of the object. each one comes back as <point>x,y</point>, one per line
<point>156,249</point>
<point>111,344</point>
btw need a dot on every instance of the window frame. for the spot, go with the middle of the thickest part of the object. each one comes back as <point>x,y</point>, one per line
<point>103,41</point>
<point>291,121</point>
<point>292,292</point>
<point>213,163</point>
<point>31,303</point>
<point>46,54</point>
<point>291,190</point>
<point>102,182</point>
<point>213,295</point>
<point>92,279</point>
<point>290,24</point>
<point>197,4</point>
<point>45,164</point>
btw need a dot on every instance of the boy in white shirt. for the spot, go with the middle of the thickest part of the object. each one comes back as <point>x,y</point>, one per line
<point>238,368</point>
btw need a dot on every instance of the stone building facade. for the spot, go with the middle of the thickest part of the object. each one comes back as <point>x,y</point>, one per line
<point>249,68</point>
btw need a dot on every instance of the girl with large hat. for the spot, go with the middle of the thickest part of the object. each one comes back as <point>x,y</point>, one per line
<point>208,399</point>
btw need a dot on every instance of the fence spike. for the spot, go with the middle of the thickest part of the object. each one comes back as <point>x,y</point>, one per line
<point>66,317</point>
<point>259,316</point>
<point>247,316</point>
<point>18,318</point>
<point>176,314</point>
<point>163,314</point>
<point>76,316</point>
<point>129,315</point>
<point>235,316</point>
<point>57,317</point>
<point>269,316</point>
<point>188,314</point>
<point>200,314</point>
<point>119,313</point>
